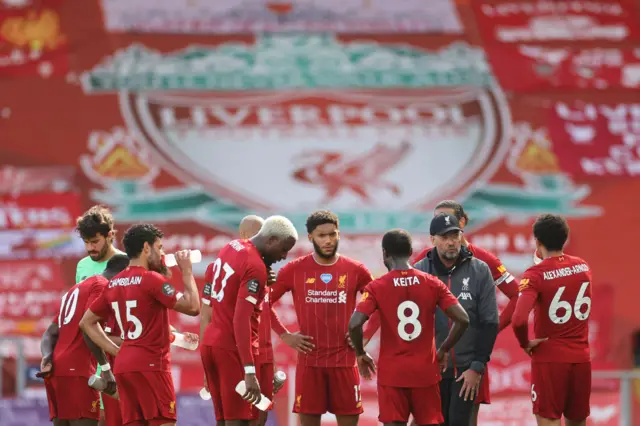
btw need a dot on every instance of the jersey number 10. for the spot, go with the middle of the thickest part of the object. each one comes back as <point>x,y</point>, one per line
<point>557,304</point>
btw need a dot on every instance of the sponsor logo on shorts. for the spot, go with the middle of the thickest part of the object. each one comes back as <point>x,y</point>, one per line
<point>298,399</point>
<point>326,296</point>
<point>172,407</point>
<point>95,405</point>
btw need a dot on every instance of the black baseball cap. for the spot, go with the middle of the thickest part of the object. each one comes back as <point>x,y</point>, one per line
<point>443,223</point>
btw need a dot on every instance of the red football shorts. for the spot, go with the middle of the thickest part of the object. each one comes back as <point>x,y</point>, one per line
<point>559,389</point>
<point>146,397</point>
<point>332,389</point>
<point>484,392</point>
<point>397,403</point>
<point>111,411</point>
<point>224,371</point>
<point>71,398</point>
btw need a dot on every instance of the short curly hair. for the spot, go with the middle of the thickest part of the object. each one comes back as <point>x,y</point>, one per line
<point>397,243</point>
<point>98,220</point>
<point>137,235</point>
<point>321,217</point>
<point>552,231</point>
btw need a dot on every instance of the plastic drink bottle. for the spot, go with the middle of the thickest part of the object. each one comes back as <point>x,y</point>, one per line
<point>279,378</point>
<point>170,259</point>
<point>100,384</point>
<point>204,394</point>
<point>178,339</point>
<point>263,404</point>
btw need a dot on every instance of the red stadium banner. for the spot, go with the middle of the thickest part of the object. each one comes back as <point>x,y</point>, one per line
<point>39,211</point>
<point>32,42</point>
<point>509,21</point>
<point>529,68</point>
<point>18,180</point>
<point>30,291</point>
<point>593,139</point>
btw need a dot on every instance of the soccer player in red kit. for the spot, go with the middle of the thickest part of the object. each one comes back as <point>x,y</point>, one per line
<point>503,280</point>
<point>139,298</point>
<point>235,295</point>
<point>67,363</point>
<point>248,228</point>
<point>408,367</point>
<point>559,288</point>
<point>324,285</point>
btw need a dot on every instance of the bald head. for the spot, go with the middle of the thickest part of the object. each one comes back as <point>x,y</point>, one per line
<point>250,226</point>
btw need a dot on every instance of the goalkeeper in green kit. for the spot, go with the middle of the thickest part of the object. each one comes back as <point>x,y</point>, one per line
<point>95,227</point>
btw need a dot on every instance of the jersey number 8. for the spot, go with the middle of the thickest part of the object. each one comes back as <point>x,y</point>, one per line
<point>581,300</point>
<point>411,319</point>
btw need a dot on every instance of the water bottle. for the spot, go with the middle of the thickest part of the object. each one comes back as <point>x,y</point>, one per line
<point>204,394</point>
<point>279,378</point>
<point>100,384</point>
<point>178,339</point>
<point>170,259</point>
<point>263,404</point>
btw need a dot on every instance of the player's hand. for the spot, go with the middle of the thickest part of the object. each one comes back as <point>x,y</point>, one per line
<point>271,278</point>
<point>348,338</point>
<point>183,259</point>
<point>191,338</point>
<point>45,367</point>
<point>299,342</point>
<point>443,359</point>
<point>252,394</point>
<point>366,366</point>
<point>470,385</point>
<point>533,344</point>
<point>111,382</point>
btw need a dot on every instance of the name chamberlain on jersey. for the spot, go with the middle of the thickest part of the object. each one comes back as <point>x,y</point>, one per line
<point>125,282</point>
<point>565,272</point>
<point>326,296</point>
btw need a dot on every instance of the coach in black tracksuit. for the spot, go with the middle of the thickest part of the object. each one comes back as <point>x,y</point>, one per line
<point>470,280</point>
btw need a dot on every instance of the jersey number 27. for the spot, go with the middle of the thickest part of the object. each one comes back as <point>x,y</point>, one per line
<point>228,271</point>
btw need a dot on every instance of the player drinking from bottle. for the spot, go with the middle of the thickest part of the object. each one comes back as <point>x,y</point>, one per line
<point>324,286</point>
<point>139,298</point>
<point>409,365</point>
<point>67,363</point>
<point>235,293</point>
<point>559,291</point>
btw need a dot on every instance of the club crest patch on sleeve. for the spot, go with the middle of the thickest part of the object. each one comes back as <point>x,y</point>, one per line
<point>168,290</point>
<point>207,290</point>
<point>253,286</point>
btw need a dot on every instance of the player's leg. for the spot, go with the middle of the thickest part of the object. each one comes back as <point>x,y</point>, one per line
<point>83,422</point>
<point>213,382</point>
<point>394,405</point>
<point>577,405</point>
<point>445,399</point>
<point>549,391</point>
<point>265,378</point>
<point>426,405</point>
<point>60,422</point>
<point>312,392</point>
<point>345,400</point>
<point>229,371</point>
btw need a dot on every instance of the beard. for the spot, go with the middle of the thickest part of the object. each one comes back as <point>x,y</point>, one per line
<point>451,255</point>
<point>98,256</point>
<point>319,252</point>
<point>159,267</point>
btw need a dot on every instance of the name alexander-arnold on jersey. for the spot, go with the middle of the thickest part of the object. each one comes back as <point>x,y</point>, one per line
<point>565,272</point>
<point>125,281</point>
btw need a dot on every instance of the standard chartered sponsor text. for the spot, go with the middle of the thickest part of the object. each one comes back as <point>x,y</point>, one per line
<point>326,296</point>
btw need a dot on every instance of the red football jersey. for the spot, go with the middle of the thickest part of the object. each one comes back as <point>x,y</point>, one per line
<point>239,274</point>
<point>111,328</point>
<point>407,301</point>
<point>560,290</point>
<point>71,355</point>
<point>324,297</point>
<point>264,331</point>
<point>140,300</point>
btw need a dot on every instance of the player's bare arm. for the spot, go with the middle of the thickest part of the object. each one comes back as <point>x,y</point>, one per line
<point>365,363</point>
<point>90,325</point>
<point>189,303</point>
<point>460,319</point>
<point>47,345</point>
<point>106,372</point>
